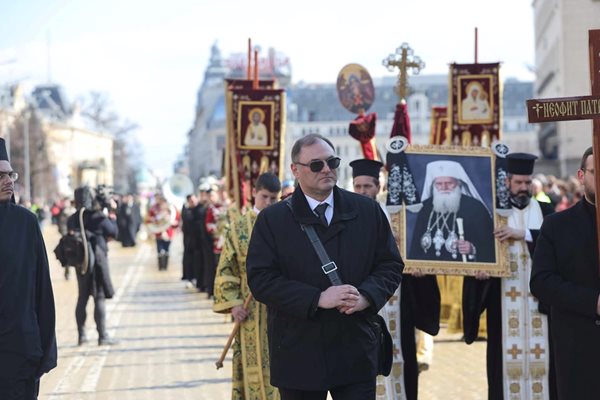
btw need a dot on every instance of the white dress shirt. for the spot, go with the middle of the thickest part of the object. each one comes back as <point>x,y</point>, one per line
<point>312,203</point>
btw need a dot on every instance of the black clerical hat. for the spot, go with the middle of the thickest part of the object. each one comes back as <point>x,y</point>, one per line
<point>520,163</point>
<point>366,167</point>
<point>3,152</point>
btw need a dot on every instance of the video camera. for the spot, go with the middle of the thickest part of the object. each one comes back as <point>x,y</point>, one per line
<point>103,196</point>
<point>94,199</point>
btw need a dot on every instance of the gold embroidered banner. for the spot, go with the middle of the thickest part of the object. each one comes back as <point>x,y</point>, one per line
<point>475,104</point>
<point>255,136</point>
<point>439,126</point>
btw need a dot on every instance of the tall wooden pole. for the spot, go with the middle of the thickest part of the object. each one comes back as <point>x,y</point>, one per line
<point>476,45</point>
<point>255,82</point>
<point>594,40</point>
<point>249,67</point>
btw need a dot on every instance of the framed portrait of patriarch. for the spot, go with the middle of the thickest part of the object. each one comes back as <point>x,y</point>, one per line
<point>442,205</point>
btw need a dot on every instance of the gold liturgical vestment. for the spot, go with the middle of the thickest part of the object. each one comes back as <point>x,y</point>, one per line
<point>524,328</point>
<point>251,376</point>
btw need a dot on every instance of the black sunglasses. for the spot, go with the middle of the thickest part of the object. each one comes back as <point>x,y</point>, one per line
<point>317,165</point>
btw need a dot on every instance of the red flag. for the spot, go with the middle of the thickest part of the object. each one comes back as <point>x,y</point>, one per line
<point>401,125</point>
<point>362,128</point>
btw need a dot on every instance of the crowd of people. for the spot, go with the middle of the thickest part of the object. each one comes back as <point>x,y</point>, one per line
<point>314,280</point>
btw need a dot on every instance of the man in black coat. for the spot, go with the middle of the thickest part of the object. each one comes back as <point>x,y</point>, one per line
<point>27,317</point>
<point>96,282</point>
<point>322,337</point>
<point>565,276</point>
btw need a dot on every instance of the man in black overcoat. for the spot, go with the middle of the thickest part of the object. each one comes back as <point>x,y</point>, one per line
<point>27,317</point>
<point>322,337</point>
<point>565,276</point>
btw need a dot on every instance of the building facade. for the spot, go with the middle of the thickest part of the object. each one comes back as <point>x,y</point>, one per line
<point>562,69</point>
<point>63,154</point>
<point>205,148</point>
<point>315,108</point>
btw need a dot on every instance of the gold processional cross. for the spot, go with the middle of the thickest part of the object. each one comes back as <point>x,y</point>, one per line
<point>404,60</point>
<point>577,108</point>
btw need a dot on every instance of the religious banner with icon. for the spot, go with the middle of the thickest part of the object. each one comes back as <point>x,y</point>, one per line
<point>446,195</point>
<point>255,137</point>
<point>475,104</point>
<point>357,94</point>
<point>439,126</point>
<point>237,84</point>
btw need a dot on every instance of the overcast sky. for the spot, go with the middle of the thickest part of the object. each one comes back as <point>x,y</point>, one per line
<point>150,59</point>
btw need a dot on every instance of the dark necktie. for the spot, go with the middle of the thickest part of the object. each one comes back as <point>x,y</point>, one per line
<point>320,210</point>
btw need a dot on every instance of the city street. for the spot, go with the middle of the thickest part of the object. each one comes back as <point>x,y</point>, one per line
<point>169,340</point>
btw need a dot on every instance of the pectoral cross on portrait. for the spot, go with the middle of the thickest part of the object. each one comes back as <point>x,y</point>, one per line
<point>577,108</point>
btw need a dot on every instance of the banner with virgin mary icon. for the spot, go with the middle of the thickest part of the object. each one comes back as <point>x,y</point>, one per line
<point>475,104</point>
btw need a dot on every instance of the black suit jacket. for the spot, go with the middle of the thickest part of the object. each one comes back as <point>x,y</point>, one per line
<point>565,276</point>
<point>312,348</point>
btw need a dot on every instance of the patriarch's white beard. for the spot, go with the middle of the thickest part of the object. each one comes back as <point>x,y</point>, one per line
<point>446,202</point>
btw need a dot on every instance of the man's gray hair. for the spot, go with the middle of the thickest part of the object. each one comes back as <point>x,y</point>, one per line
<point>306,141</point>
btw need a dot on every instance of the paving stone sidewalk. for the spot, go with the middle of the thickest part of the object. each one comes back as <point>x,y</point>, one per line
<point>169,339</point>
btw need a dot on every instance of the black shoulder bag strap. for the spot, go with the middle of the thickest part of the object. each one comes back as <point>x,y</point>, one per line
<point>329,267</point>
<point>86,256</point>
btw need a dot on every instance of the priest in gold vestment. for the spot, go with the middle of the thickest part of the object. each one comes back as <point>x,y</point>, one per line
<point>251,377</point>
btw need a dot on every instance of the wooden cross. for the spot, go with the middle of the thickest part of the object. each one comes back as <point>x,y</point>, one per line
<point>576,108</point>
<point>401,61</point>
<point>514,351</point>
<point>538,351</point>
<point>513,294</point>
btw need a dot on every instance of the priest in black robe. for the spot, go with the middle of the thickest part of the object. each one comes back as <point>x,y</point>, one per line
<point>483,293</point>
<point>565,276</point>
<point>27,317</point>
<point>190,256</point>
<point>129,220</point>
